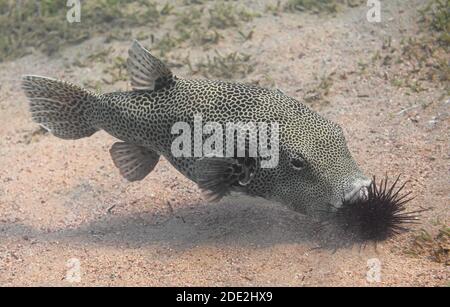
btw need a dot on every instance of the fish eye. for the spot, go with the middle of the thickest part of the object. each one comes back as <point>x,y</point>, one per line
<point>298,163</point>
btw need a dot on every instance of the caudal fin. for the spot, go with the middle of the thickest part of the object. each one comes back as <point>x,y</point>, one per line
<point>60,107</point>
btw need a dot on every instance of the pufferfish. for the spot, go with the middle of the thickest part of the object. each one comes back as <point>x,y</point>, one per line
<point>315,173</point>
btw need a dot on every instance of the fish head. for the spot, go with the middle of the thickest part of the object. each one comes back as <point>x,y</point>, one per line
<point>316,171</point>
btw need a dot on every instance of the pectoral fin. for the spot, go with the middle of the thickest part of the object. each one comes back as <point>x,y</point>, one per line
<point>219,176</point>
<point>134,162</point>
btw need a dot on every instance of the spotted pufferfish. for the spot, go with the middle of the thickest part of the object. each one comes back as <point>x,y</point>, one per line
<point>315,173</point>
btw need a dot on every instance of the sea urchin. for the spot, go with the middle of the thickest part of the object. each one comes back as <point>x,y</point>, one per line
<point>377,214</point>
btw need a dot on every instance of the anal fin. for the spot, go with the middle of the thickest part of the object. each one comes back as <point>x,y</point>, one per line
<point>134,162</point>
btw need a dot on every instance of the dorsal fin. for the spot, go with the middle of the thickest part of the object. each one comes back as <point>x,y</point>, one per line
<point>146,71</point>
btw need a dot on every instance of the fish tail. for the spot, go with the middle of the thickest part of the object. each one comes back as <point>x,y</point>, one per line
<point>66,110</point>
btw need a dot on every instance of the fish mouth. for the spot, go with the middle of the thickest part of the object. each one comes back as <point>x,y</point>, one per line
<point>360,190</point>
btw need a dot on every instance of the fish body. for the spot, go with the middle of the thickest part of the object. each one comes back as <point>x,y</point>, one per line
<point>314,173</point>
